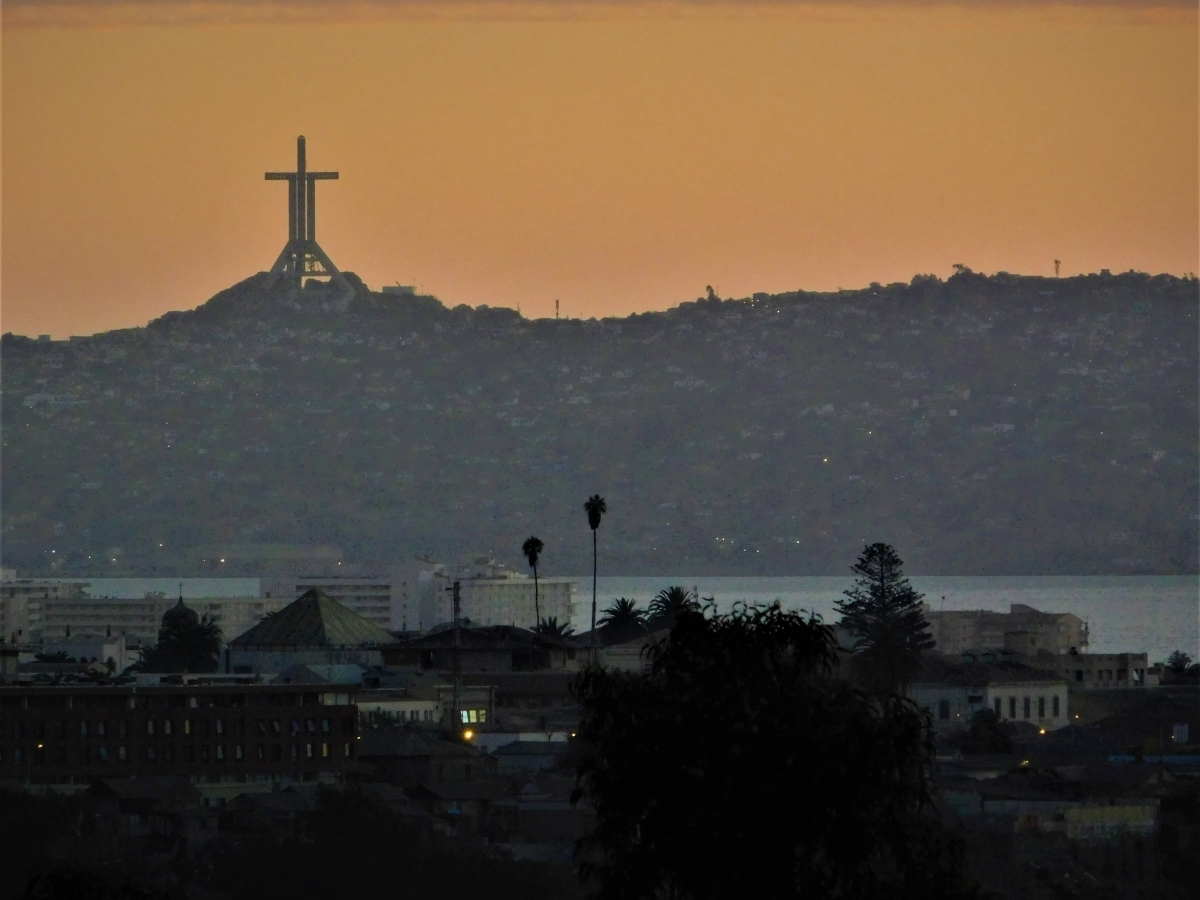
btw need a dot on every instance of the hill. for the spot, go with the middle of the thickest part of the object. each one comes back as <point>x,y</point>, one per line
<point>983,425</point>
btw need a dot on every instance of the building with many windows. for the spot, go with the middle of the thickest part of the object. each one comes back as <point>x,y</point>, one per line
<point>1014,692</point>
<point>207,730</point>
<point>492,594</point>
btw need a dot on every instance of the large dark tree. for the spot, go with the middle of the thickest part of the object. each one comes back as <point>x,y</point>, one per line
<point>550,628</point>
<point>532,548</point>
<point>738,763</point>
<point>186,643</point>
<point>883,613</point>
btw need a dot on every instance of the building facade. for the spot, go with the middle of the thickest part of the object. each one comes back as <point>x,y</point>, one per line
<point>1013,693</point>
<point>1022,629</point>
<point>389,600</point>
<point>235,733</point>
<point>492,594</point>
<point>24,603</point>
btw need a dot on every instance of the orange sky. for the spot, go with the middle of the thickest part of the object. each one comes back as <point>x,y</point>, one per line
<point>619,158</point>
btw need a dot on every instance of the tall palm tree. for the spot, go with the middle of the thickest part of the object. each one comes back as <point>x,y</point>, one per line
<point>622,613</point>
<point>596,508</point>
<point>669,601</point>
<point>532,548</point>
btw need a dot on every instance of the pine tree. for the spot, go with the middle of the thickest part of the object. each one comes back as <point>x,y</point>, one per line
<point>883,613</point>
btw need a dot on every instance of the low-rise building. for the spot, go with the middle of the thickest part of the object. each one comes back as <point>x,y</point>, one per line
<point>954,692</point>
<point>314,629</point>
<point>1022,629</point>
<point>492,594</point>
<point>211,732</point>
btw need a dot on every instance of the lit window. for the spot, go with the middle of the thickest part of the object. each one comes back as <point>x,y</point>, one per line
<point>308,750</point>
<point>238,752</point>
<point>324,751</point>
<point>166,726</point>
<point>187,726</point>
<point>220,751</point>
<point>149,726</point>
<point>474,716</point>
<point>220,726</point>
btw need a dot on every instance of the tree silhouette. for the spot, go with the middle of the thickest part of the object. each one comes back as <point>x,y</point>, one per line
<point>596,508</point>
<point>532,548</point>
<point>669,601</point>
<point>883,613</point>
<point>186,643</point>
<point>551,628</point>
<point>622,613</point>
<point>1178,662</point>
<point>739,760</point>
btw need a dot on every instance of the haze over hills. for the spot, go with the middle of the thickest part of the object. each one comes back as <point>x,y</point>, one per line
<point>983,425</point>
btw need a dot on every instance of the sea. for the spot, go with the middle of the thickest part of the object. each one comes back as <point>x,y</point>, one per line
<point>1128,613</point>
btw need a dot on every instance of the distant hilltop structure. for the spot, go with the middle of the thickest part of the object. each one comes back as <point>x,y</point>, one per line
<point>302,257</point>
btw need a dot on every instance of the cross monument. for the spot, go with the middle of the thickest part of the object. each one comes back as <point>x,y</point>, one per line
<point>303,257</point>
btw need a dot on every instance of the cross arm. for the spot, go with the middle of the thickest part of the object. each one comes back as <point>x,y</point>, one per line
<point>281,176</point>
<point>322,176</point>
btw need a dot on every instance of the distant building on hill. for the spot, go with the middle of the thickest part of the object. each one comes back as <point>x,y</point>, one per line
<point>1022,629</point>
<point>313,629</point>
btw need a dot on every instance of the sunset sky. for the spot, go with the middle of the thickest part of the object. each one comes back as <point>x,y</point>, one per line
<point>619,157</point>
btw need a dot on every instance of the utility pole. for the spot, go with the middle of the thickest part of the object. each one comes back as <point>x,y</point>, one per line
<point>457,661</point>
<point>556,307</point>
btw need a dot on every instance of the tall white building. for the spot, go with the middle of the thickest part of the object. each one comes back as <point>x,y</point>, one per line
<point>24,602</point>
<point>492,594</point>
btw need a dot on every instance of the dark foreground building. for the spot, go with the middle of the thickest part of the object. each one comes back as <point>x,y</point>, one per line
<point>212,733</point>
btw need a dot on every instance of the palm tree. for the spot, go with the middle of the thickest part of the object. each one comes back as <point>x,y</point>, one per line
<point>551,628</point>
<point>532,548</point>
<point>596,508</point>
<point>669,601</point>
<point>622,613</point>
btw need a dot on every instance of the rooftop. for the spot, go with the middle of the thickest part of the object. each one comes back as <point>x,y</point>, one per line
<point>314,619</point>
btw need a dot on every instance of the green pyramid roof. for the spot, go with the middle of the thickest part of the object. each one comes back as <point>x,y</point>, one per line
<point>314,619</point>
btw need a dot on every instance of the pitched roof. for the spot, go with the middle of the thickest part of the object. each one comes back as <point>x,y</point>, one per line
<point>314,619</point>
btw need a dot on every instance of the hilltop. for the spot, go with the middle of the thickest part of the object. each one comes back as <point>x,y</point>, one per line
<point>983,425</point>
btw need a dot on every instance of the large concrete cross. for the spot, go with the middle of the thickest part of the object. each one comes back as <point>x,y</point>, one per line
<point>303,257</point>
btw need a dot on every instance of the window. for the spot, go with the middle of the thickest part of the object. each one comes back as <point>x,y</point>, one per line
<point>347,750</point>
<point>1079,674</point>
<point>324,751</point>
<point>238,752</point>
<point>83,729</point>
<point>220,726</point>
<point>151,754</point>
<point>103,754</point>
<point>1041,707</point>
<point>1055,706</point>
<point>943,709</point>
<point>997,705</point>
<point>325,726</point>
<point>276,726</point>
<point>311,725</point>
<point>262,753</point>
<point>149,726</point>
<point>220,752</point>
<point>1025,707</point>
<point>101,728</point>
<point>187,726</point>
<point>262,726</point>
<point>295,727</point>
<point>121,753</point>
<point>204,753</point>
<point>1012,707</point>
<point>483,715</point>
<point>308,750</point>
<point>166,726</point>
<point>295,752</point>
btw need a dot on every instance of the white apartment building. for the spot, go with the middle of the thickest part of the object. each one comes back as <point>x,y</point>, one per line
<point>492,594</point>
<point>37,613</point>
<point>1014,695</point>
<point>23,604</point>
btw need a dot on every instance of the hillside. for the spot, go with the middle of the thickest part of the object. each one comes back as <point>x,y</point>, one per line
<point>984,425</point>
